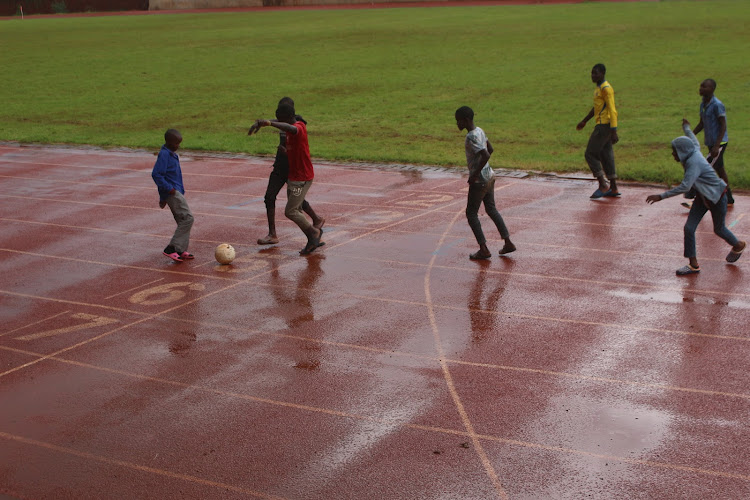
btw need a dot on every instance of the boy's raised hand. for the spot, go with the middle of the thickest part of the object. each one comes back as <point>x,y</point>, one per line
<point>254,127</point>
<point>685,122</point>
<point>257,126</point>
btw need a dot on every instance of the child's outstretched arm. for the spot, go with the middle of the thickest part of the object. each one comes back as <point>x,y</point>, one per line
<point>689,133</point>
<point>286,127</point>
<point>691,174</point>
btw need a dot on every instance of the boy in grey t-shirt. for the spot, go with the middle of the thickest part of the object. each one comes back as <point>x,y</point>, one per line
<point>481,184</point>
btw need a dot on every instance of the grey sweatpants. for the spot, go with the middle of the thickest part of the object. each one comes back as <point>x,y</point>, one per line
<point>295,195</point>
<point>184,219</point>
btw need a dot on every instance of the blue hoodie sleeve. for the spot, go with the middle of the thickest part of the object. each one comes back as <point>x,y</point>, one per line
<point>159,173</point>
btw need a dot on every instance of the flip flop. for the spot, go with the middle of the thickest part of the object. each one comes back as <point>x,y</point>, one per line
<point>507,249</point>
<point>310,248</point>
<point>312,245</point>
<point>610,194</point>
<point>477,256</point>
<point>174,256</point>
<point>734,256</point>
<point>686,204</point>
<point>685,270</point>
<point>186,256</point>
<point>597,194</point>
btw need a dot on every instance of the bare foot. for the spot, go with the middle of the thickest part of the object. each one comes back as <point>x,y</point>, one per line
<point>268,240</point>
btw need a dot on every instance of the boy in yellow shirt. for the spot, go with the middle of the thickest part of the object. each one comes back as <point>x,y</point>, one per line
<point>599,154</point>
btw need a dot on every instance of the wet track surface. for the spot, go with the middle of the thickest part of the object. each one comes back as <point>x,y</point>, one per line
<point>384,365</point>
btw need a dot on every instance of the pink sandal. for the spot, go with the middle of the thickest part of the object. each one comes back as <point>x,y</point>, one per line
<point>174,256</point>
<point>187,256</point>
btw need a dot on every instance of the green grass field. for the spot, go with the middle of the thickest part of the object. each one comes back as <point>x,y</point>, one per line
<point>382,85</point>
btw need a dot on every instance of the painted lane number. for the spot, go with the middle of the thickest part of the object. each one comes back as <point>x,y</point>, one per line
<point>164,294</point>
<point>92,321</point>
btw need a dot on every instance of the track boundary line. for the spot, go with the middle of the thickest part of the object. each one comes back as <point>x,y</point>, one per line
<point>448,377</point>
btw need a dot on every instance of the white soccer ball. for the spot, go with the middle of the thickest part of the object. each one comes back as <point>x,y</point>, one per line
<point>224,253</point>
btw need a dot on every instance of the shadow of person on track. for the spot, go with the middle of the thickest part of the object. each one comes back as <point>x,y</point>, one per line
<point>484,299</point>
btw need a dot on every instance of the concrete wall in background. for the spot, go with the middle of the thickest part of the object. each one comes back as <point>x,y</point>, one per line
<point>202,4</point>
<point>220,4</point>
<point>11,7</point>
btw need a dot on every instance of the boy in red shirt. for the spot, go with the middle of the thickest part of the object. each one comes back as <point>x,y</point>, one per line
<point>300,171</point>
<point>276,181</point>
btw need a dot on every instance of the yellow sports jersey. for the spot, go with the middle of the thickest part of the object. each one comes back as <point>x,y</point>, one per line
<point>604,104</point>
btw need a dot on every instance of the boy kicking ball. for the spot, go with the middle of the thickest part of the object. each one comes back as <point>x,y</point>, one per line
<point>301,172</point>
<point>277,179</point>
<point>710,195</point>
<point>481,184</point>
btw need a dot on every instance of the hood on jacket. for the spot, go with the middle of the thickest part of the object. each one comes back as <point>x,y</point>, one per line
<point>685,148</point>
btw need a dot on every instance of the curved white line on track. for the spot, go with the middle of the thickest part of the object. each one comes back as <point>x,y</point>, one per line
<point>447,374</point>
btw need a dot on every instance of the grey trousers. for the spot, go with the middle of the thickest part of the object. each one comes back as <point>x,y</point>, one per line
<point>295,196</point>
<point>478,194</point>
<point>184,219</point>
<point>599,153</point>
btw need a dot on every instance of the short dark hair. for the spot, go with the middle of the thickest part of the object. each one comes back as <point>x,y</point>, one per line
<point>711,82</point>
<point>286,100</point>
<point>465,112</point>
<point>284,111</point>
<point>600,67</point>
<point>172,134</point>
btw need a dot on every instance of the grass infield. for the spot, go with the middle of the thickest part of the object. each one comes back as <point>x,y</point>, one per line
<point>382,85</point>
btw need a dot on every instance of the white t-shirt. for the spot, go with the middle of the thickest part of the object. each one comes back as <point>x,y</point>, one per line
<point>476,141</point>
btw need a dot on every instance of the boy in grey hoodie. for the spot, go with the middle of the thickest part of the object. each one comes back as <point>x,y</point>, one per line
<point>711,194</point>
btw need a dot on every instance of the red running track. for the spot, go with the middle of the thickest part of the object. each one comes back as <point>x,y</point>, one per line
<point>386,365</point>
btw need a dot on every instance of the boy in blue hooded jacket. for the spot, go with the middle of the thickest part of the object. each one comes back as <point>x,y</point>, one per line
<point>167,175</point>
<point>711,195</point>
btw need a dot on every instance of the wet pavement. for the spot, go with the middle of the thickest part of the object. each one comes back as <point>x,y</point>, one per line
<point>386,364</point>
